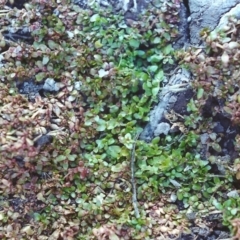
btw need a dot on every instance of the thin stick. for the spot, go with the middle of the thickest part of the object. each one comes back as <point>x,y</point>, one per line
<point>173,72</point>
<point>4,11</point>
<point>134,190</point>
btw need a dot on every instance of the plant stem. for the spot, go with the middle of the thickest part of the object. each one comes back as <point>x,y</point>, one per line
<point>134,190</point>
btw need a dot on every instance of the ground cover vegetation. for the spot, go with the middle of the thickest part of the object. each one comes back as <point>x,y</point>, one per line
<point>65,154</point>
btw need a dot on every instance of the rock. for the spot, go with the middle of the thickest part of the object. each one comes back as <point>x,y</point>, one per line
<point>133,6</point>
<point>17,3</point>
<point>15,35</point>
<point>43,141</point>
<point>29,88</point>
<point>51,85</point>
<point>183,27</point>
<point>235,11</point>
<point>167,99</point>
<point>162,128</point>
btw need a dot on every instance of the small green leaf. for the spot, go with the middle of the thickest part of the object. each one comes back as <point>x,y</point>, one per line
<point>196,187</point>
<point>234,211</point>
<point>72,157</point>
<point>203,163</point>
<point>59,158</point>
<point>95,17</point>
<point>37,216</point>
<point>193,198</point>
<point>143,76</point>
<point>114,151</point>
<point>155,90</point>
<point>159,76</point>
<point>156,40</point>
<point>156,140</point>
<point>191,106</point>
<point>180,195</point>
<point>88,122</point>
<point>200,93</point>
<point>67,152</point>
<point>110,141</point>
<point>167,36</point>
<point>128,136</point>
<point>153,68</point>
<point>98,44</point>
<point>155,58</point>
<point>124,152</point>
<point>134,43</point>
<point>147,89</point>
<point>135,99</point>
<point>65,165</point>
<point>73,194</point>
<point>111,124</point>
<point>101,124</point>
<point>140,53</point>
<point>40,76</point>
<point>45,60</point>
<point>168,49</point>
<point>100,143</point>
<point>217,204</point>
<point>101,128</point>
<point>216,147</point>
<point>97,57</point>
<point>229,203</point>
<point>52,44</point>
<point>168,138</point>
<point>117,168</point>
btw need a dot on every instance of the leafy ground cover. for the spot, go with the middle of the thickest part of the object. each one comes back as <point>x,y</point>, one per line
<point>66,153</point>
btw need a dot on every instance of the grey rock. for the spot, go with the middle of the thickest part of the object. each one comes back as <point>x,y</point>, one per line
<point>218,128</point>
<point>167,98</point>
<point>235,11</point>
<point>18,4</point>
<point>183,28</point>
<point>18,34</point>
<point>43,141</point>
<point>204,138</point>
<point>51,85</point>
<point>77,85</point>
<point>28,87</point>
<point>81,3</point>
<point>162,128</point>
<point>117,5</point>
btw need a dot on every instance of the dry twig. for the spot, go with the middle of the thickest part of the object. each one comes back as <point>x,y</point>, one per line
<point>134,190</point>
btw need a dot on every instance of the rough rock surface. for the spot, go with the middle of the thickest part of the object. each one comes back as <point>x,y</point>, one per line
<point>176,87</point>
<point>125,5</point>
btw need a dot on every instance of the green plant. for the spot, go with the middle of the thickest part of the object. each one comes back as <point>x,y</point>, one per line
<point>109,71</point>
